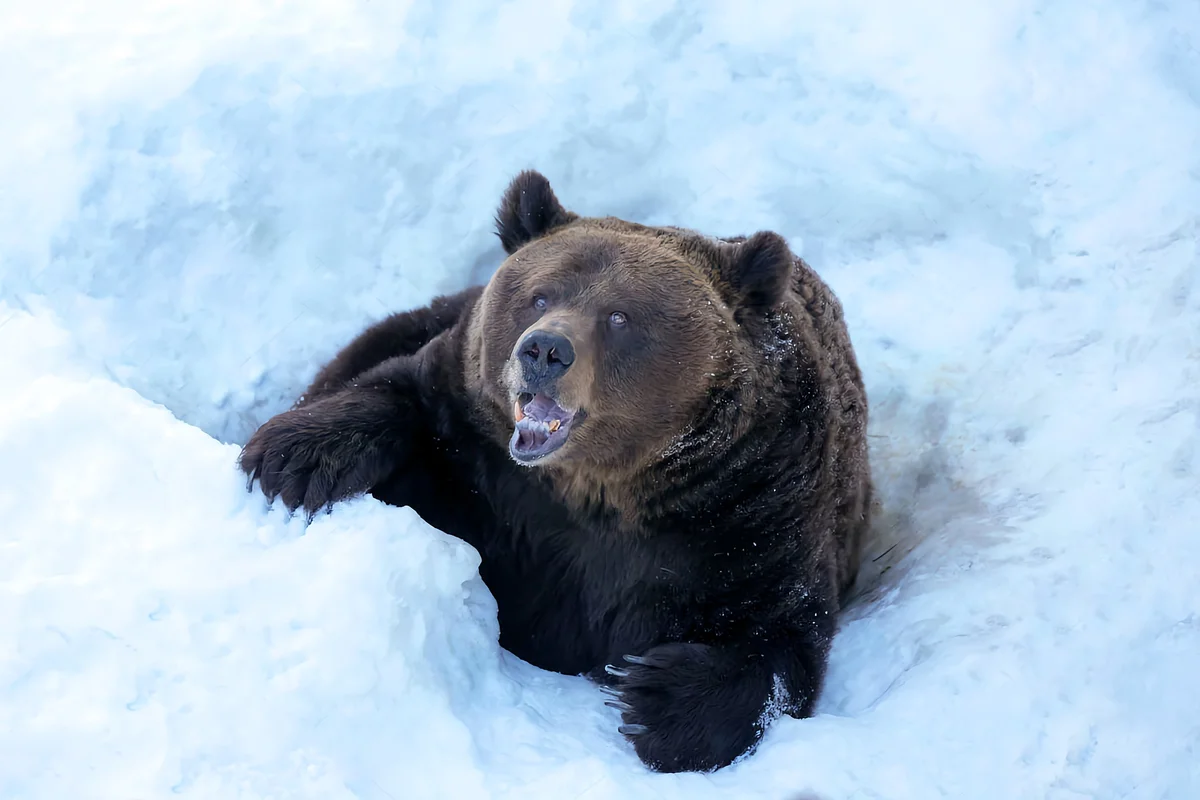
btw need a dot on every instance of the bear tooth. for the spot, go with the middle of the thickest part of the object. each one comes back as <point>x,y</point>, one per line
<point>554,425</point>
<point>518,412</point>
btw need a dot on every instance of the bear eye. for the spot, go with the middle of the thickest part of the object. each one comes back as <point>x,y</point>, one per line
<point>617,319</point>
<point>539,302</point>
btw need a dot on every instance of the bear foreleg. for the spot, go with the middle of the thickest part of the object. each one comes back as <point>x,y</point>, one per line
<point>339,445</point>
<point>695,707</point>
<point>401,334</point>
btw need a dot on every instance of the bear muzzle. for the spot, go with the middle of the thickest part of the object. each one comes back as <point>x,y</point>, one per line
<point>542,424</point>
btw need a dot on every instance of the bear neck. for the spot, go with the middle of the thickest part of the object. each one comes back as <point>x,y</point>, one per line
<point>690,476</point>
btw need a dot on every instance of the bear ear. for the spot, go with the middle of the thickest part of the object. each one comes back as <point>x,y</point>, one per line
<point>528,210</point>
<point>757,271</point>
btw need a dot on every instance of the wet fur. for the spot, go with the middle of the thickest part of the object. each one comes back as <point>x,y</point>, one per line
<point>714,554</point>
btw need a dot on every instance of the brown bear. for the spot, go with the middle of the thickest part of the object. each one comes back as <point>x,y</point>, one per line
<point>655,439</point>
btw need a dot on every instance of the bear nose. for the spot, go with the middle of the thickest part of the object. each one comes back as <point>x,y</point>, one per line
<point>545,356</point>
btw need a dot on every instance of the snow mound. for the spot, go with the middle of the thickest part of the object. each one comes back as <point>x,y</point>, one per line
<point>204,200</point>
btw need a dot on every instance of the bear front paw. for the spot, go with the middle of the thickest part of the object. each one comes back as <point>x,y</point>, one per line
<point>302,458</point>
<point>688,707</point>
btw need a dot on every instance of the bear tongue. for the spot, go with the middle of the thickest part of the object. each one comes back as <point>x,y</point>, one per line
<point>531,438</point>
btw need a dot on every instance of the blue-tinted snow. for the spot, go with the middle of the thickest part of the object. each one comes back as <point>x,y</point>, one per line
<point>203,200</point>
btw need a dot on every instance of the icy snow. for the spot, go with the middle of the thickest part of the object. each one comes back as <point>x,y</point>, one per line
<point>203,200</point>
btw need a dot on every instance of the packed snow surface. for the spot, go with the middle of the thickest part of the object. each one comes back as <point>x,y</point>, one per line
<point>203,200</point>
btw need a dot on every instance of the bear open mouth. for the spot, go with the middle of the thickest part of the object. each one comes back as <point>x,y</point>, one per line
<point>542,427</point>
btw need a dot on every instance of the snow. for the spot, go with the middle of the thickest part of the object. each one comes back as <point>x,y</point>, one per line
<point>202,201</point>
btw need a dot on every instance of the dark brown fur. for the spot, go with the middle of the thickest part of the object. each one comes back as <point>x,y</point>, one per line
<point>689,544</point>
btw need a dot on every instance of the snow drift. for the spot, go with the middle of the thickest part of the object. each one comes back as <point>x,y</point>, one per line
<point>203,201</point>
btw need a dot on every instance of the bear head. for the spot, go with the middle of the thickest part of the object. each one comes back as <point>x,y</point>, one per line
<point>599,342</point>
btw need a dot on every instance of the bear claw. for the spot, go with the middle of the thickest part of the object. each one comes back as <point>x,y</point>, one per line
<point>615,671</point>
<point>637,660</point>
<point>633,730</point>
<point>619,705</point>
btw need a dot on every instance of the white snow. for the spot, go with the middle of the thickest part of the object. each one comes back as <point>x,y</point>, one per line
<point>201,201</point>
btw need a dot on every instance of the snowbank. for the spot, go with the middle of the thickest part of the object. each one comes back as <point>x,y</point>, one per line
<point>204,200</point>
